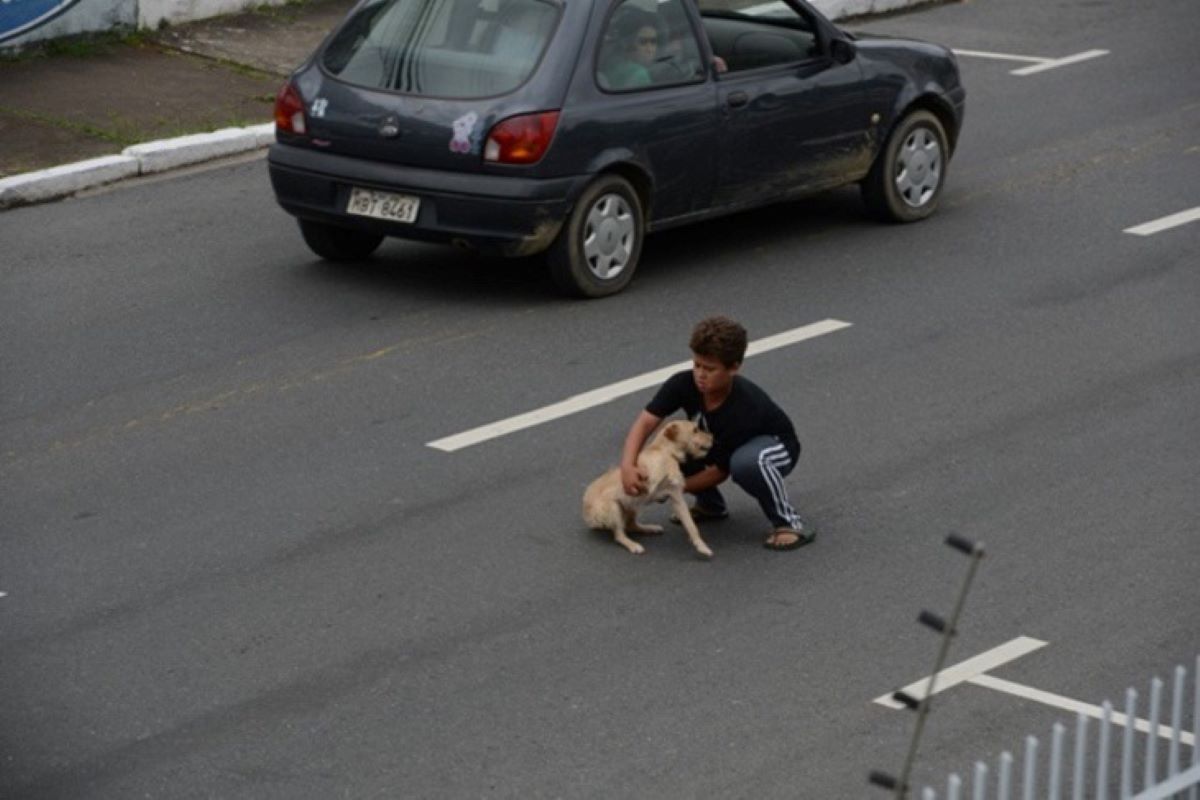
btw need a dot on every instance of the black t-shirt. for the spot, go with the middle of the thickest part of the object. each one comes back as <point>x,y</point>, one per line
<point>747,412</point>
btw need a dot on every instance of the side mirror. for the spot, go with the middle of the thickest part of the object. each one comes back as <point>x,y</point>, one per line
<point>842,50</point>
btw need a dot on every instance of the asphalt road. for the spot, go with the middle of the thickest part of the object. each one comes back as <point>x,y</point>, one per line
<point>232,567</point>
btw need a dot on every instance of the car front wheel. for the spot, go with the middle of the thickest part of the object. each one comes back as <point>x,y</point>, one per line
<point>905,183</point>
<point>338,244</point>
<point>597,250</point>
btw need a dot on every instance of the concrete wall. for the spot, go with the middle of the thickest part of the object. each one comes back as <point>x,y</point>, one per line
<point>49,19</point>
<point>26,21</point>
<point>151,13</point>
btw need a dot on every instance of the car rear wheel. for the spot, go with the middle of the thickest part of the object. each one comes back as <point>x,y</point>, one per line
<point>905,183</point>
<point>597,250</point>
<point>338,244</point>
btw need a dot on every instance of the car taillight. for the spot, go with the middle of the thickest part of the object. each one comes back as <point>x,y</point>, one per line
<point>521,140</point>
<point>289,111</point>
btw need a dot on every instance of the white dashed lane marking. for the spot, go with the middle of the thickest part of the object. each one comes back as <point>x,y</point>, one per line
<point>1165,223</point>
<point>605,394</point>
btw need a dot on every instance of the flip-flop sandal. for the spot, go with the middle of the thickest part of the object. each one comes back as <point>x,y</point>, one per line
<point>802,538</point>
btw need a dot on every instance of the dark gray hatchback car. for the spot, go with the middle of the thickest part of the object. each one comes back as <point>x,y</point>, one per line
<point>576,127</point>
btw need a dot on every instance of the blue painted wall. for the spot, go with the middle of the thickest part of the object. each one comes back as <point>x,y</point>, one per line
<point>24,21</point>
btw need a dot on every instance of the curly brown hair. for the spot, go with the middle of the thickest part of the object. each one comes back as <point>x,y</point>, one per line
<point>721,338</point>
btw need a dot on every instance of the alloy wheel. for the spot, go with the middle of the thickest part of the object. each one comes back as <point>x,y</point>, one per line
<point>919,167</point>
<point>609,236</point>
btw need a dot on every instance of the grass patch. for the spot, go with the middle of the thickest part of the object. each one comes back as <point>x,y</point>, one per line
<point>287,11</point>
<point>69,125</point>
<point>243,70</point>
<point>84,45</point>
<point>123,133</point>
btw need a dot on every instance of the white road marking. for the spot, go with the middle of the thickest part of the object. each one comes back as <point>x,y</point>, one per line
<point>1039,64</point>
<point>1074,706</point>
<point>1165,223</point>
<point>966,670</point>
<point>999,56</point>
<point>1172,786</point>
<point>605,394</point>
<point>1060,62</point>
<point>974,671</point>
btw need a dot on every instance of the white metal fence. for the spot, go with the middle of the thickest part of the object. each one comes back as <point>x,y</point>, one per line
<point>1089,766</point>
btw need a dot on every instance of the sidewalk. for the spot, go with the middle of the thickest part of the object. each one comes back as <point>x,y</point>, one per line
<point>86,99</point>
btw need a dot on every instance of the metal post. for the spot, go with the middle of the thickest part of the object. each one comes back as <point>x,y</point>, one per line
<point>981,772</point>
<point>1004,776</point>
<point>1152,740</point>
<point>1194,793</point>
<point>1102,756</point>
<point>1127,744</point>
<point>1176,722</point>
<point>948,630</point>
<point>953,786</point>
<point>1056,744</point>
<point>1081,726</point>
<point>1031,748</point>
<point>929,794</point>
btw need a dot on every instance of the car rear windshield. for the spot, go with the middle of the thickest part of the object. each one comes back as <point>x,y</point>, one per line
<point>460,49</point>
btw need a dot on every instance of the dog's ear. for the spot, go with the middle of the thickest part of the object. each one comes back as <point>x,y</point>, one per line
<point>671,432</point>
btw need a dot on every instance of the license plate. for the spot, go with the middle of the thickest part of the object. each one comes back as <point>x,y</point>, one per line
<point>383,205</point>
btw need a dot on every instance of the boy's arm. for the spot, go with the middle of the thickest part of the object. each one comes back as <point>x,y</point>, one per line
<point>632,479</point>
<point>706,478</point>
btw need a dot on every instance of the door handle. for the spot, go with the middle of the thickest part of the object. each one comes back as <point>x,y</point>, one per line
<point>737,99</point>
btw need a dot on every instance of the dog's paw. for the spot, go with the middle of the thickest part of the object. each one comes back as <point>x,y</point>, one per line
<point>704,551</point>
<point>650,530</point>
<point>635,548</point>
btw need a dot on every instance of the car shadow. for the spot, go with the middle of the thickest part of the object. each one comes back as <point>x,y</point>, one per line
<point>774,228</point>
<point>447,274</point>
<point>436,272</point>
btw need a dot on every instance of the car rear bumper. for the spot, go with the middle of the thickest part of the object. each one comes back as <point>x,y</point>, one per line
<point>510,215</point>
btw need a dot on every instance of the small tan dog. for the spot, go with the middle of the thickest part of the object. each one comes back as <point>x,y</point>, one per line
<point>607,507</point>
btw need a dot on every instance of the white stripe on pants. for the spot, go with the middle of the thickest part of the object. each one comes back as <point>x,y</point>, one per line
<point>770,461</point>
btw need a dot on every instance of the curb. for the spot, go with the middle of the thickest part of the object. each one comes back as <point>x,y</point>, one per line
<point>139,159</point>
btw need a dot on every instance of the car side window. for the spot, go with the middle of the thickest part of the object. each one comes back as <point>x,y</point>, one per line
<point>748,34</point>
<point>648,44</point>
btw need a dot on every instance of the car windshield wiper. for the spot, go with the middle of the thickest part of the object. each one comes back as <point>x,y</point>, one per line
<point>723,14</point>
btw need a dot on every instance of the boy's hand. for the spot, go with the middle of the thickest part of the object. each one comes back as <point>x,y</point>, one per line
<point>633,480</point>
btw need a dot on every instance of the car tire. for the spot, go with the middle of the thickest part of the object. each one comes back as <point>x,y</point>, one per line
<point>597,250</point>
<point>905,182</point>
<point>338,244</point>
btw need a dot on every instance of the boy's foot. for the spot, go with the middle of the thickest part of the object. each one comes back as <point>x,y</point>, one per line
<point>701,514</point>
<point>789,538</point>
